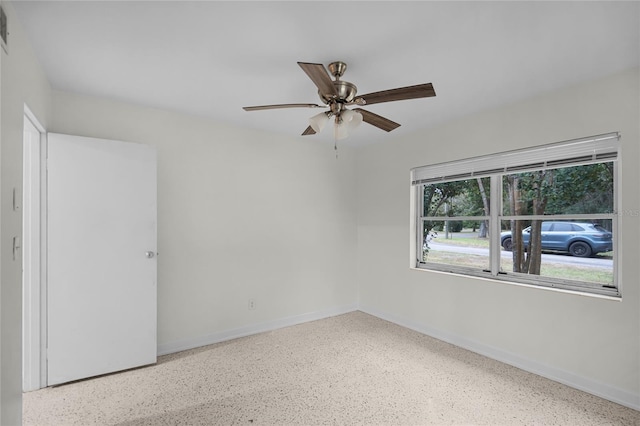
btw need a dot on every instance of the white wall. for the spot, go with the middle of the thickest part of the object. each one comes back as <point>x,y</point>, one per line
<point>589,342</point>
<point>241,215</point>
<point>22,82</point>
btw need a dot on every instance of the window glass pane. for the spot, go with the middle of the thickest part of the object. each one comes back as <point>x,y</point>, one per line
<point>584,189</point>
<point>459,198</point>
<point>450,243</point>
<point>577,250</point>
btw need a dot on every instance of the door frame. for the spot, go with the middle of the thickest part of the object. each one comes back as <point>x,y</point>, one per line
<point>34,276</point>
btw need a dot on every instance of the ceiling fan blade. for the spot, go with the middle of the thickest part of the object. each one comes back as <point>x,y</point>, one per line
<point>320,77</point>
<point>261,107</point>
<point>377,120</point>
<point>308,131</point>
<point>399,94</point>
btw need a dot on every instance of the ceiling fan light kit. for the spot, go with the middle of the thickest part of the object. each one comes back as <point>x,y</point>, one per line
<point>337,94</point>
<point>345,122</point>
<point>318,121</point>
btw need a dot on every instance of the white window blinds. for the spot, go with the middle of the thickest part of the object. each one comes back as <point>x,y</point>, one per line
<point>593,149</point>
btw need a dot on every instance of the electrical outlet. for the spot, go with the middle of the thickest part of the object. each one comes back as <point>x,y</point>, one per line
<point>252,304</point>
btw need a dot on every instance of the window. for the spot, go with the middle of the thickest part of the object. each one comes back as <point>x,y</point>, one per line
<point>543,216</point>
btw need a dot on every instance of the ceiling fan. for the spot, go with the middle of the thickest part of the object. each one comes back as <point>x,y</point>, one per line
<point>338,94</point>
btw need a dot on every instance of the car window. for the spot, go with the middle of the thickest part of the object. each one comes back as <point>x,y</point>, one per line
<point>546,226</point>
<point>577,228</point>
<point>562,227</point>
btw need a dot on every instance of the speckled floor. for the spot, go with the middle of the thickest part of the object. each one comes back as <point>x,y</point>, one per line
<point>352,369</point>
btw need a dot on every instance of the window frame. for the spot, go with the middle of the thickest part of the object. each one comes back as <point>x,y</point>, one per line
<point>600,149</point>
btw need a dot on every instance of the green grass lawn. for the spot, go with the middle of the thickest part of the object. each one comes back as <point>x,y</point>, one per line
<point>456,239</point>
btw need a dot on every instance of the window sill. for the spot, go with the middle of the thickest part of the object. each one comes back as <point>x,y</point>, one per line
<point>508,281</point>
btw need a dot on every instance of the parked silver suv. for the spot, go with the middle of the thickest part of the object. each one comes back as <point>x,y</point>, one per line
<point>580,239</point>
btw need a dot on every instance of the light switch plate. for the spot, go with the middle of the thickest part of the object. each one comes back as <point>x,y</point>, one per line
<point>16,206</point>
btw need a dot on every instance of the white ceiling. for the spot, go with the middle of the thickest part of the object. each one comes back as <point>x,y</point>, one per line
<point>211,58</point>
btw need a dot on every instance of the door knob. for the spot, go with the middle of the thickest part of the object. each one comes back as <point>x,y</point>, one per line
<point>149,254</point>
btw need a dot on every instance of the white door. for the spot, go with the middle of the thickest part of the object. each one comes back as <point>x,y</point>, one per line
<point>101,233</point>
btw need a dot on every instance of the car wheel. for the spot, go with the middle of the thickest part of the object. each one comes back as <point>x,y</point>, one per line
<point>507,244</point>
<point>580,249</point>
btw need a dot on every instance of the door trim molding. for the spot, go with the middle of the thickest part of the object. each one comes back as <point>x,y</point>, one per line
<point>34,258</point>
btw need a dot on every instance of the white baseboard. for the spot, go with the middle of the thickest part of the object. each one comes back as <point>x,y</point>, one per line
<point>611,393</point>
<point>185,344</point>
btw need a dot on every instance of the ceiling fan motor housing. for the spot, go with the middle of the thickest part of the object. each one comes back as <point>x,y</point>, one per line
<point>346,92</point>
